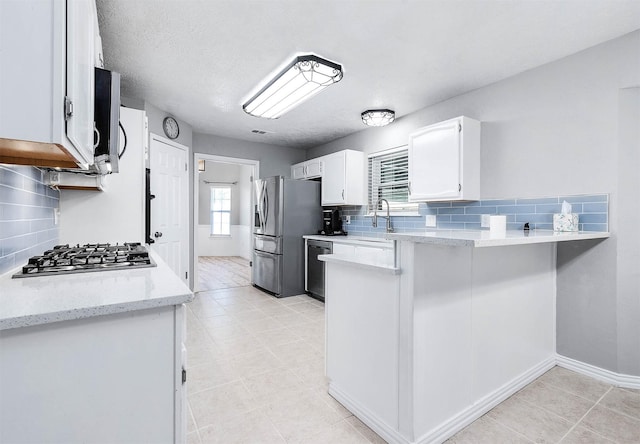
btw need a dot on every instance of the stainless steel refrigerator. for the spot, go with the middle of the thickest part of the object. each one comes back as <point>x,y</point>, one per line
<point>285,210</point>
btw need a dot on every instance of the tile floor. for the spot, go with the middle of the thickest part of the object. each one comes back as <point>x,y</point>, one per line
<point>218,272</point>
<point>256,375</point>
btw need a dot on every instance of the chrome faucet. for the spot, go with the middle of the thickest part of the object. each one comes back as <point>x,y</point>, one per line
<point>374,221</point>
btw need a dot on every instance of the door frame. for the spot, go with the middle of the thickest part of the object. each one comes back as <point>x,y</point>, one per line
<point>196,193</point>
<point>184,235</point>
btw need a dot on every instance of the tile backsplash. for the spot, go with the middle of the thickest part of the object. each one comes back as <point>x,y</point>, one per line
<point>593,211</point>
<point>27,221</point>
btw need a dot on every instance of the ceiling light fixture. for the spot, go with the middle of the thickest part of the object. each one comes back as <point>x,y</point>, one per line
<point>378,117</point>
<point>303,78</point>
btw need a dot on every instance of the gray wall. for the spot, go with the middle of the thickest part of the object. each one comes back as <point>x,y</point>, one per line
<point>568,127</point>
<point>225,172</point>
<point>274,160</point>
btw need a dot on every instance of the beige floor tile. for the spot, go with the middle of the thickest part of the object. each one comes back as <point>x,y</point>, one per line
<point>216,405</point>
<point>623,401</point>
<point>295,353</point>
<point>278,336</point>
<point>613,425</point>
<point>575,383</point>
<point>564,404</point>
<point>582,435</point>
<point>533,422</point>
<point>193,438</point>
<point>294,300</point>
<point>311,373</point>
<point>364,430</point>
<point>209,375</point>
<point>191,424</point>
<point>339,433</point>
<point>267,386</point>
<point>259,325</point>
<point>252,427</point>
<point>486,430</point>
<point>256,362</point>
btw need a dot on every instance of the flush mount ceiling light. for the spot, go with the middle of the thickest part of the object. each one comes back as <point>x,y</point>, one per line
<point>303,78</point>
<point>378,117</point>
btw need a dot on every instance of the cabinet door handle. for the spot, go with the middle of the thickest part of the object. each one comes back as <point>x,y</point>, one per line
<point>342,194</point>
<point>409,187</point>
<point>459,187</point>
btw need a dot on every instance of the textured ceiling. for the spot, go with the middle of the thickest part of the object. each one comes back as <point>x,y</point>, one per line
<point>200,60</point>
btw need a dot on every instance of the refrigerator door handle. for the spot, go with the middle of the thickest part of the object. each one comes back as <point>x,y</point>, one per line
<point>260,209</point>
<point>266,206</point>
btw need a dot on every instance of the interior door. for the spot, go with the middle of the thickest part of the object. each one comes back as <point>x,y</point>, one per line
<point>170,206</point>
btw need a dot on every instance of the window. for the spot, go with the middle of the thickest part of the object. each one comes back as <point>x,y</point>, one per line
<point>220,211</point>
<point>389,179</point>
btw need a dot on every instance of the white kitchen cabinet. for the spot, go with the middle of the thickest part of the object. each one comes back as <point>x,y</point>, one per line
<point>444,161</point>
<point>113,378</point>
<point>47,90</point>
<point>343,178</point>
<point>310,169</point>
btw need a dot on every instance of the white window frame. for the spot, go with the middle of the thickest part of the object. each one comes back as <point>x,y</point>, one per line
<point>396,208</point>
<point>212,211</point>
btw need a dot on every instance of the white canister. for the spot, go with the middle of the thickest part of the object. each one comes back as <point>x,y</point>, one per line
<point>498,225</point>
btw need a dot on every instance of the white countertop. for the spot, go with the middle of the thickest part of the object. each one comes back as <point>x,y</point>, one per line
<point>357,262</point>
<point>353,240</point>
<point>484,238</point>
<point>45,299</point>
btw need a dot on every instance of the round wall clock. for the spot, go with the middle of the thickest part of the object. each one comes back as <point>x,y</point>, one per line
<point>171,128</point>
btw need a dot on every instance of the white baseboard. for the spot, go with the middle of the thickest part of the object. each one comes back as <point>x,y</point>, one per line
<point>483,405</point>
<point>617,379</point>
<point>467,416</point>
<point>385,431</point>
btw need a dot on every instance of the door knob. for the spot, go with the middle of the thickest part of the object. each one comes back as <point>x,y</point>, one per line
<point>157,234</point>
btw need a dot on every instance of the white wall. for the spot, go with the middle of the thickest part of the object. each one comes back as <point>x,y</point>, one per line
<point>116,214</point>
<point>557,130</point>
<point>238,243</point>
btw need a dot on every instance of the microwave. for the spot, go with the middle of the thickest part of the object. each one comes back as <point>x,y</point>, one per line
<point>106,118</point>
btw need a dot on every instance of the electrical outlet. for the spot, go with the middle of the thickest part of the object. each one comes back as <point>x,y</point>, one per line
<point>430,221</point>
<point>484,220</point>
<point>347,220</point>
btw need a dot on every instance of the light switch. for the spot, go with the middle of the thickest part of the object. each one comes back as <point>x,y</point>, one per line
<point>484,220</point>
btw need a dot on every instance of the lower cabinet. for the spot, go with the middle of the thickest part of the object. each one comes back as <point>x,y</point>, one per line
<point>112,378</point>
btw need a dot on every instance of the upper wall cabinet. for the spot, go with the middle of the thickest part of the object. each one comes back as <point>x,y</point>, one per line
<point>343,178</point>
<point>310,169</point>
<point>444,161</point>
<point>47,88</point>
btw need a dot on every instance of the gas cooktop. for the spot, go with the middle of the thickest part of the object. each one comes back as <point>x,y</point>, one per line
<point>65,259</point>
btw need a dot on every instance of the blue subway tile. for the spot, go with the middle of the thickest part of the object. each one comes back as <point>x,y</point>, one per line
<point>514,226</point>
<point>514,209</point>
<point>443,218</point>
<point>472,226</point>
<point>595,207</point>
<point>588,198</point>
<point>480,210</point>
<point>467,203</point>
<point>497,202</point>
<point>537,201</point>
<point>593,218</point>
<point>438,204</point>
<point>548,208</point>
<point>451,210</point>
<point>594,227</point>
<point>451,225</point>
<point>475,218</point>
<point>544,226</point>
<point>534,218</point>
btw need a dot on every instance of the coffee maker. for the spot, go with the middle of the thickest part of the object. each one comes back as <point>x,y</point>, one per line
<point>331,222</point>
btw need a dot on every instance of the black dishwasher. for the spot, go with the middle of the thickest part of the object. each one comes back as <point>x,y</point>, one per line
<point>315,267</point>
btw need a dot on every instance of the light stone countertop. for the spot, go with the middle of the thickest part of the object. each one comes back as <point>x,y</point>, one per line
<point>46,299</point>
<point>353,240</point>
<point>484,238</point>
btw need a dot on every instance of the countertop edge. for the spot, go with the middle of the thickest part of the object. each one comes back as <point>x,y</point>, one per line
<point>89,312</point>
<point>350,260</point>
<point>465,238</point>
<point>379,242</point>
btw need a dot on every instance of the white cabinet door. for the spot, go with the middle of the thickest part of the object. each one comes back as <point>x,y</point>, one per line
<point>313,168</point>
<point>47,54</point>
<point>297,171</point>
<point>310,169</point>
<point>333,180</point>
<point>444,161</point>
<point>343,178</point>
<point>80,76</point>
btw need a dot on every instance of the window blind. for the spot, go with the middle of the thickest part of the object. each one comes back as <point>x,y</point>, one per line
<point>389,179</point>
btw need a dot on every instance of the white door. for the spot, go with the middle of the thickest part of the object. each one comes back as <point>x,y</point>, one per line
<point>170,207</point>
